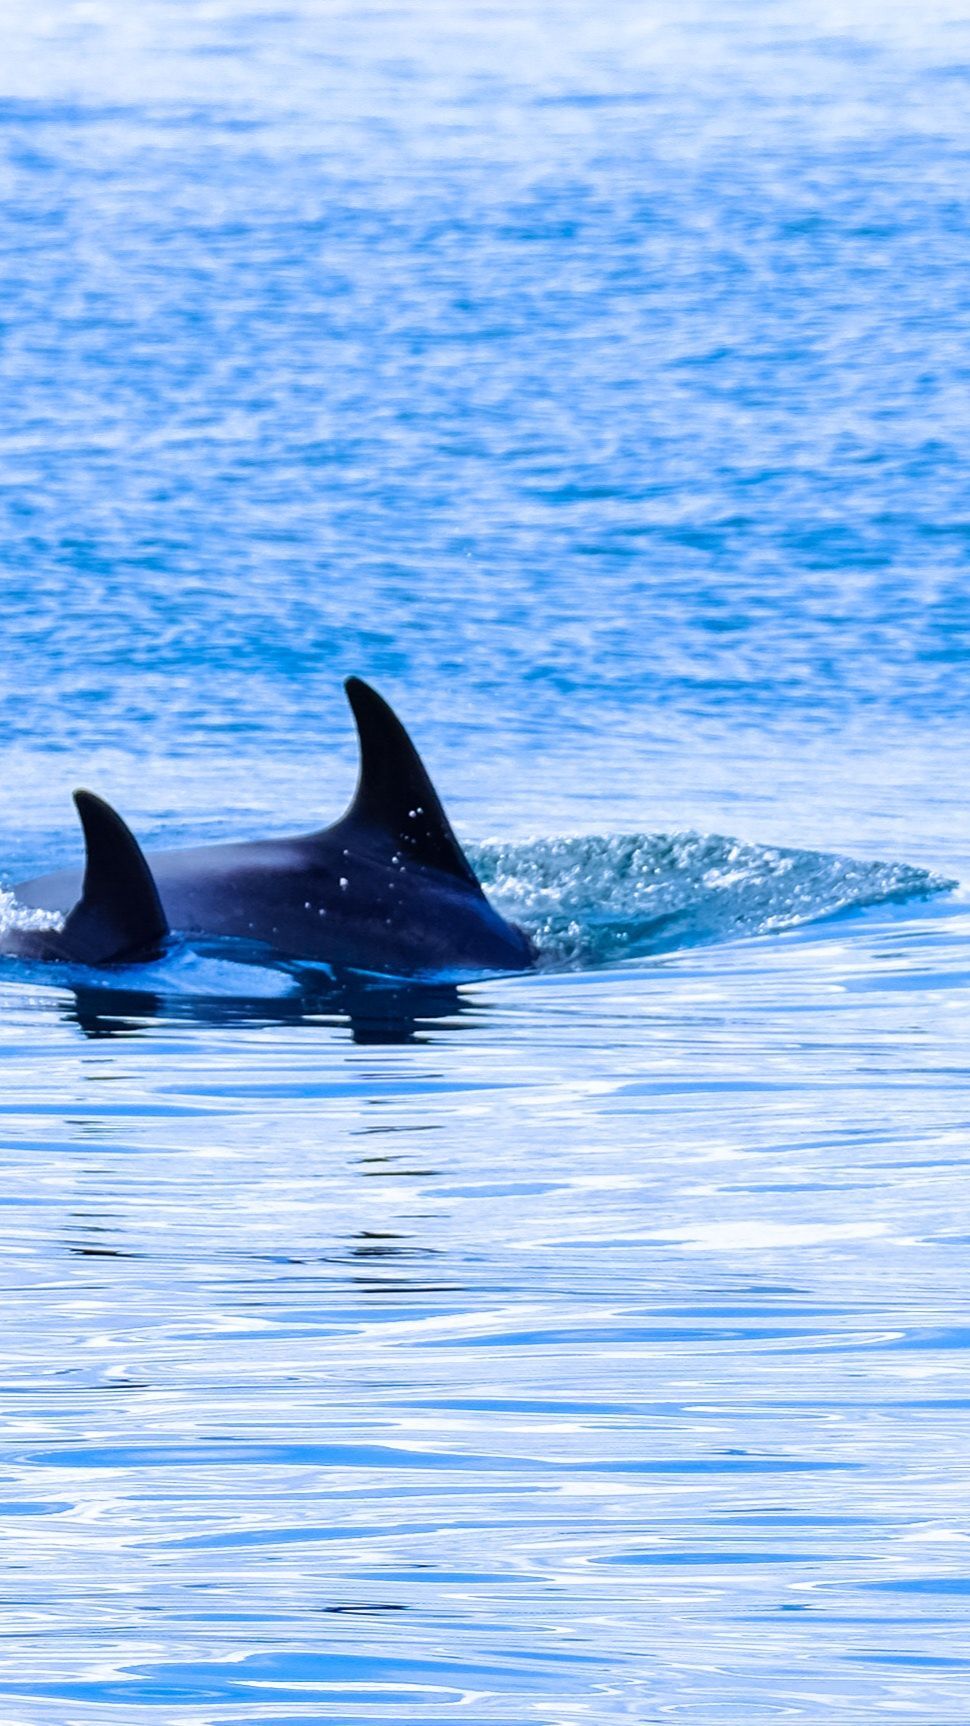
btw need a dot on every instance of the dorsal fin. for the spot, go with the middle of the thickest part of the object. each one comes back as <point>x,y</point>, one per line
<point>394,797</point>
<point>119,914</point>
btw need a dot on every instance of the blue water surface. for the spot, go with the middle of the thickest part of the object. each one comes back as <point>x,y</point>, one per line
<point>585,1347</point>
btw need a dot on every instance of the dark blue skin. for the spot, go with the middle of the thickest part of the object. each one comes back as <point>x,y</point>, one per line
<point>386,889</point>
<point>346,904</point>
<point>112,915</point>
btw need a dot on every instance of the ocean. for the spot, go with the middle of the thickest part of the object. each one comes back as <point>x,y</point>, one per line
<point>583,1347</point>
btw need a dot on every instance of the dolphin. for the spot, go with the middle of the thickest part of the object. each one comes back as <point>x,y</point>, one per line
<point>387,889</point>
<point>114,915</point>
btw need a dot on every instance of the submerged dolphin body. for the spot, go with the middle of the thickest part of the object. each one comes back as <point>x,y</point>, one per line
<point>386,889</point>
<point>114,914</point>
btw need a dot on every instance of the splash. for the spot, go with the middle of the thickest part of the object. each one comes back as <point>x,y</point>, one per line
<point>13,915</point>
<point>593,900</point>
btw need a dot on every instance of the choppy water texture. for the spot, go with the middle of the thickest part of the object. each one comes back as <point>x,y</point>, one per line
<point>582,1347</point>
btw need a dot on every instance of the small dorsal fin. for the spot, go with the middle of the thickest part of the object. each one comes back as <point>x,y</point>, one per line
<point>394,796</point>
<point>119,914</point>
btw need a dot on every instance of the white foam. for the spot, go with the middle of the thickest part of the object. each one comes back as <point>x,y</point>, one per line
<point>13,915</point>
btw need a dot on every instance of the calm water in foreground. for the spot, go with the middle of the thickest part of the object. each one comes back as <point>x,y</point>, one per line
<point>580,1348</point>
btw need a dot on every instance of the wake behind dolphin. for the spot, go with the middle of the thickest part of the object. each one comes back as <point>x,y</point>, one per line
<point>595,900</point>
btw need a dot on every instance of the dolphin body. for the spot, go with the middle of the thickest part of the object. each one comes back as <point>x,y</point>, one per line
<point>387,889</point>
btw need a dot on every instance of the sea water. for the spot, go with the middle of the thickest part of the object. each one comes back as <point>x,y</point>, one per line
<point>582,1347</point>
